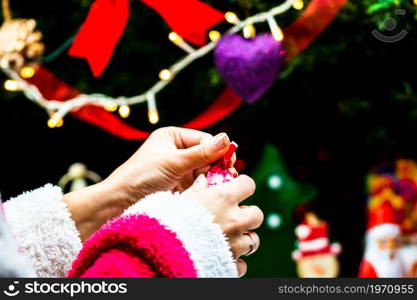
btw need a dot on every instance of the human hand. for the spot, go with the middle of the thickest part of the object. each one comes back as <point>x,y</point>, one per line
<point>236,221</point>
<point>170,159</point>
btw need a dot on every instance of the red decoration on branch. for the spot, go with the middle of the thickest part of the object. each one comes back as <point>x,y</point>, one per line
<point>189,18</point>
<point>314,19</point>
<point>100,33</point>
<point>106,22</point>
<point>298,36</point>
<point>226,103</point>
<point>52,87</point>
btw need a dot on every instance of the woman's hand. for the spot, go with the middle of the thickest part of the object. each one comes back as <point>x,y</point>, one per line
<point>236,221</point>
<point>170,159</point>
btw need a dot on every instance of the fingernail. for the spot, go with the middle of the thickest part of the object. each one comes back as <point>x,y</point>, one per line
<point>221,140</point>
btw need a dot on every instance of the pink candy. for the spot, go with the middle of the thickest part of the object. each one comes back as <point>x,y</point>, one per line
<point>220,173</point>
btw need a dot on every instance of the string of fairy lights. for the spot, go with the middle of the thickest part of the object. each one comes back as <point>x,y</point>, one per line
<point>57,110</point>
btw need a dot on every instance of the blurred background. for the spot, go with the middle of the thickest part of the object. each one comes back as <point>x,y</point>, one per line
<point>340,107</point>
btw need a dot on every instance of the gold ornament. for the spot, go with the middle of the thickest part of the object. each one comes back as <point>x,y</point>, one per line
<point>20,44</point>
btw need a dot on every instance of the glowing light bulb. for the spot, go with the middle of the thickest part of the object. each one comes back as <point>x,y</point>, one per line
<point>153,116</point>
<point>274,220</point>
<point>124,111</point>
<point>214,35</point>
<point>278,34</point>
<point>175,38</point>
<point>55,121</point>
<point>11,85</point>
<point>27,72</point>
<point>165,75</point>
<point>274,182</point>
<point>249,31</point>
<point>231,17</point>
<point>275,29</point>
<point>179,41</point>
<point>51,123</point>
<point>59,122</point>
<point>299,4</point>
<point>111,106</point>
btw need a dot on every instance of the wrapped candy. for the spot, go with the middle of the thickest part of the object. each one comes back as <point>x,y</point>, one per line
<point>219,172</point>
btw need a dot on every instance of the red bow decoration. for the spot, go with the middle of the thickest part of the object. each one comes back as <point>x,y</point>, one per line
<point>298,36</point>
<point>107,20</point>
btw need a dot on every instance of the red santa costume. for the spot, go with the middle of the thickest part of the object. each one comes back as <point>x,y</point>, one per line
<point>377,262</point>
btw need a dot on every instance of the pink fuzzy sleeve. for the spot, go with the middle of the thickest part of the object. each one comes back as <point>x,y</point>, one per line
<point>133,246</point>
<point>163,235</point>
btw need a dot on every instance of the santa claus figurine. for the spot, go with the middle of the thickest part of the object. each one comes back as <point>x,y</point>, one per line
<point>381,257</point>
<point>406,171</point>
<point>315,257</point>
<point>408,255</point>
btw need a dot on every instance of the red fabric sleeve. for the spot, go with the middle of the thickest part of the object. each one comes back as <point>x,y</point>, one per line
<point>133,246</point>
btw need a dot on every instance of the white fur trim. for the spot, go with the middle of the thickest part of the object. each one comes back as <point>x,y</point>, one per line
<point>44,230</point>
<point>193,225</point>
<point>383,231</point>
<point>336,248</point>
<point>314,245</point>
<point>296,255</point>
<point>302,231</point>
<point>12,263</point>
<point>408,256</point>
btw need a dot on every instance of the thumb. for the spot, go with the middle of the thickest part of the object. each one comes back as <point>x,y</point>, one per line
<point>200,184</point>
<point>205,153</point>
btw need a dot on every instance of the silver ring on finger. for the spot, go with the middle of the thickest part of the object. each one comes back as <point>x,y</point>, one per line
<point>252,245</point>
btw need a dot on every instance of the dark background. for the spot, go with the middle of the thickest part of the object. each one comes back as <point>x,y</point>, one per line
<point>344,105</point>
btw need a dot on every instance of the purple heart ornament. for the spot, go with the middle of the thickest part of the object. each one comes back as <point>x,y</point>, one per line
<point>249,66</point>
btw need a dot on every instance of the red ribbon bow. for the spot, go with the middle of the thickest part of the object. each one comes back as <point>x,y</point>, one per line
<point>298,36</point>
<point>107,20</point>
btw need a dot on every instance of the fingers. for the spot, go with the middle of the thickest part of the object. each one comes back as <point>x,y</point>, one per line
<point>238,189</point>
<point>253,217</point>
<point>244,244</point>
<point>204,153</point>
<point>253,240</point>
<point>202,170</point>
<point>185,138</point>
<point>200,184</point>
<point>242,268</point>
